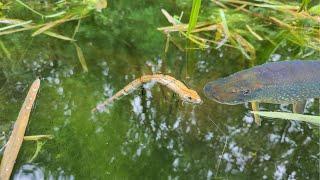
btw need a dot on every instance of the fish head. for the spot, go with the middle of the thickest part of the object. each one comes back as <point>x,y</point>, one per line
<point>235,89</point>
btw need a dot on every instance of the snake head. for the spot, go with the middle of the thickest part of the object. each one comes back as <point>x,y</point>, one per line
<point>191,96</point>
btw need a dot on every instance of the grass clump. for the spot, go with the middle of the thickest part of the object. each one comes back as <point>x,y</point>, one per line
<point>56,14</point>
<point>253,27</point>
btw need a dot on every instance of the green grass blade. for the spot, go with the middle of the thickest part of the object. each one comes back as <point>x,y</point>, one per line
<point>315,10</point>
<point>17,30</point>
<point>55,14</point>
<point>290,116</point>
<point>51,24</point>
<point>81,58</point>
<point>28,7</point>
<point>37,137</point>
<point>304,5</point>
<point>15,25</point>
<point>5,50</point>
<point>59,36</point>
<point>194,15</point>
<point>224,23</point>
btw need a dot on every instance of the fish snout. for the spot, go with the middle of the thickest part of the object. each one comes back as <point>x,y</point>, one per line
<point>210,91</point>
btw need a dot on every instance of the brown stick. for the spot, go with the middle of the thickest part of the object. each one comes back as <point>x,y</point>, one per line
<point>13,146</point>
<point>255,107</point>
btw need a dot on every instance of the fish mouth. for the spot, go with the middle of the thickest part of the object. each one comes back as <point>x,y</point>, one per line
<point>218,100</point>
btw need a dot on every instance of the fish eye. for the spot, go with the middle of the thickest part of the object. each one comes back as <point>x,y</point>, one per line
<point>189,98</point>
<point>246,92</point>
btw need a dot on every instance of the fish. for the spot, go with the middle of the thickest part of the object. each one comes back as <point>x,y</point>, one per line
<point>186,94</point>
<point>282,82</point>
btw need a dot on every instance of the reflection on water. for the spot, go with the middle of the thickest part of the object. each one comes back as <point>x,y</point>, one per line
<point>30,171</point>
<point>149,133</point>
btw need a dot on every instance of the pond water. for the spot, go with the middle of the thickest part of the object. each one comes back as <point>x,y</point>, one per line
<point>148,134</point>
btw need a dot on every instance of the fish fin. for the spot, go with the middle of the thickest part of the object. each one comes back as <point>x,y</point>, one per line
<point>298,107</point>
<point>255,107</point>
<point>317,105</point>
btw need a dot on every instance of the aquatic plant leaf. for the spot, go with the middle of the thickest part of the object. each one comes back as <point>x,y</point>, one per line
<point>77,28</point>
<point>81,58</point>
<point>28,7</point>
<point>15,141</point>
<point>37,137</point>
<point>169,17</point>
<point>55,14</point>
<point>17,30</point>
<point>228,34</point>
<point>52,24</point>
<point>304,5</point>
<point>254,33</point>
<point>194,15</point>
<point>15,25</point>
<point>224,23</point>
<point>196,40</point>
<point>59,36</point>
<point>315,10</point>
<point>38,149</point>
<point>201,26</point>
<point>5,50</point>
<point>290,116</point>
<point>245,47</point>
<point>192,38</point>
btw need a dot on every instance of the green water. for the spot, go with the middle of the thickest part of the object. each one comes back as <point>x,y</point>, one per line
<point>149,134</point>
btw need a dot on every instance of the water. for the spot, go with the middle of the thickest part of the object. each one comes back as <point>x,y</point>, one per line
<point>149,134</point>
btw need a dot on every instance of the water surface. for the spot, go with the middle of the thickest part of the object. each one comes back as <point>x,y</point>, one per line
<point>149,134</point>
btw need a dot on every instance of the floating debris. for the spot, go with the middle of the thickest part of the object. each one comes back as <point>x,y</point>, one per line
<point>15,141</point>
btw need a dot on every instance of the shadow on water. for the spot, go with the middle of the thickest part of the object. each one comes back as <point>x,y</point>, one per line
<point>149,133</point>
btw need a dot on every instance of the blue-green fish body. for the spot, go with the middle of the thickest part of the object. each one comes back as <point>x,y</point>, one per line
<point>277,82</point>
